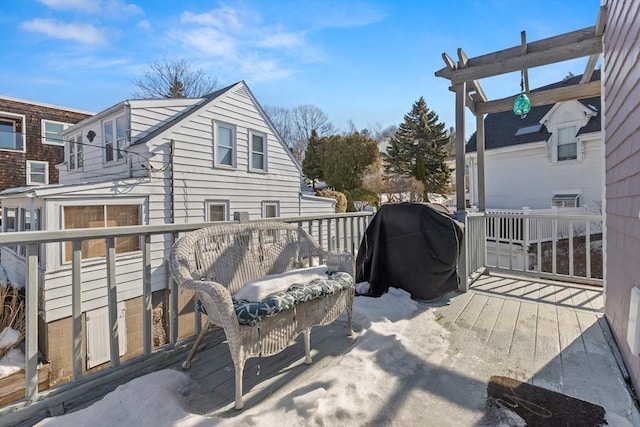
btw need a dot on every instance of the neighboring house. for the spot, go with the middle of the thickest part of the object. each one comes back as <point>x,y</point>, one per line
<point>551,157</point>
<point>622,159</point>
<point>157,161</point>
<point>31,141</point>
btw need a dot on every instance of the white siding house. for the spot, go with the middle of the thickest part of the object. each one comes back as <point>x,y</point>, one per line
<point>551,157</point>
<point>153,162</point>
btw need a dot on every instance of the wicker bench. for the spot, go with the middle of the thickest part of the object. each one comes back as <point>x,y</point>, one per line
<point>217,261</point>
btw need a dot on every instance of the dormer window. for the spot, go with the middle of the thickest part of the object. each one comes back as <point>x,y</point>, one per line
<point>567,144</point>
<point>75,157</point>
<point>115,139</point>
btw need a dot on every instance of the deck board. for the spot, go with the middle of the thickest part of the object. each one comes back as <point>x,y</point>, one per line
<point>502,334</point>
<point>212,367</point>
<point>547,365</point>
<point>486,321</point>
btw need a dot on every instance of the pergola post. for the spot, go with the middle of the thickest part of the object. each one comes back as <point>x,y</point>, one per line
<point>461,92</point>
<point>461,97</point>
<point>480,150</point>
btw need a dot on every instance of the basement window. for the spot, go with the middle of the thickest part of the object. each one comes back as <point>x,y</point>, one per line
<point>566,201</point>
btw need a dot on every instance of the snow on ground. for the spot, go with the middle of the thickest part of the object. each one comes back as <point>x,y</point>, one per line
<point>13,361</point>
<point>343,395</point>
<point>398,372</point>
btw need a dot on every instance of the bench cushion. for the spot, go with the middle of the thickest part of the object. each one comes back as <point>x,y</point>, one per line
<point>258,290</point>
<point>250,313</point>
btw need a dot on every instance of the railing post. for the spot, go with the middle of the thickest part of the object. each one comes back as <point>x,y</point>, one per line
<point>463,285</point>
<point>76,308</point>
<point>31,326</point>
<point>146,293</point>
<point>112,304</point>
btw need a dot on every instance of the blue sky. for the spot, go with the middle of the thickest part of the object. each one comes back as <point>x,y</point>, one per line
<point>365,61</point>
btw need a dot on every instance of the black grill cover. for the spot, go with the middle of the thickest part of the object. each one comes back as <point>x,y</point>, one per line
<point>411,246</point>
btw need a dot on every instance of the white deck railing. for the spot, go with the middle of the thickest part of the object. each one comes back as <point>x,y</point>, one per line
<point>335,232</point>
<point>557,246</point>
<point>548,245</point>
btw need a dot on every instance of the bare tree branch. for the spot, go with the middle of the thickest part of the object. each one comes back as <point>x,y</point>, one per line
<point>173,78</point>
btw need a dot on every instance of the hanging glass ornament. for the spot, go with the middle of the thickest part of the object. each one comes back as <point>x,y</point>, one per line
<point>522,106</point>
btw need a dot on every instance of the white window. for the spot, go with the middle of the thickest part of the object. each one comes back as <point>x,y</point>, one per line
<point>225,145</point>
<point>75,153</point>
<point>27,223</point>
<point>217,211</point>
<point>270,209</point>
<point>10,223</point>
<point>258,151</point>
<point>115,139</point>
<point>11,137</point>
<point>52,132</point>
<point>99,333</point>
<point>567,144</point>
<point>566,201</point>
<point>37,172</point>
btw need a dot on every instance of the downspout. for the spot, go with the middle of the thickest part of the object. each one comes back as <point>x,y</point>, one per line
<point>173,183</point>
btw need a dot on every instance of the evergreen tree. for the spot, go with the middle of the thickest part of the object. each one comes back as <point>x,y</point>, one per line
<point>345,160</point>
<point>312,162</point>
<point>421,136</point>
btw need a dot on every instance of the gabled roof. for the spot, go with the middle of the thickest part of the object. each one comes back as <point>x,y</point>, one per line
<point>182,115</point>
<point>500,128</point>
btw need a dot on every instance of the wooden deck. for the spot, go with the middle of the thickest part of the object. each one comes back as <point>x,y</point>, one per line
<point>549,334</point>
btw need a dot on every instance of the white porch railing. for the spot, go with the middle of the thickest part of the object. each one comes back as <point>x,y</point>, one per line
<point>558,246</point>
<point>337,232</point>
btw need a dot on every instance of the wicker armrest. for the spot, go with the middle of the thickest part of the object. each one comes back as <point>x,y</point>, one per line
<point>216,296</point>
<point>340,261</point>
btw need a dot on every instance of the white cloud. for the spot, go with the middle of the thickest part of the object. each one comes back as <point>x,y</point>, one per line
<point>208,41</point>
<point>82,33</point>
<point>287,40</point>
<point>121,10</point>
<point>89,6</point>
<point>145,25</point>
<point>237,40</point>
<point>117,9</point>
<point>261,69</point>
<point>224,17</point>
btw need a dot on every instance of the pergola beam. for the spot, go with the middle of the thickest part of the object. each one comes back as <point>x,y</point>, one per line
<point>590,68</point>
<point>593,59</point>
<point>567,46</point>
<point>545,97</point>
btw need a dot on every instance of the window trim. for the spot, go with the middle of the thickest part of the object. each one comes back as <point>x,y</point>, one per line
<point>118,145</point>
<point>142,207</point>
<point>46,172</point>
<point>44,122</point>
<point>75,141</point>
<point>266,203</point>
<point>16,118</point>
<point>207,209</point>
<point>557,144</point>
<point>264,152</point>
<point>234,145</point>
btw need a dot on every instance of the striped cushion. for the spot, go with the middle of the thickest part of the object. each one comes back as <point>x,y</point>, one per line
<point>250,313</point>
